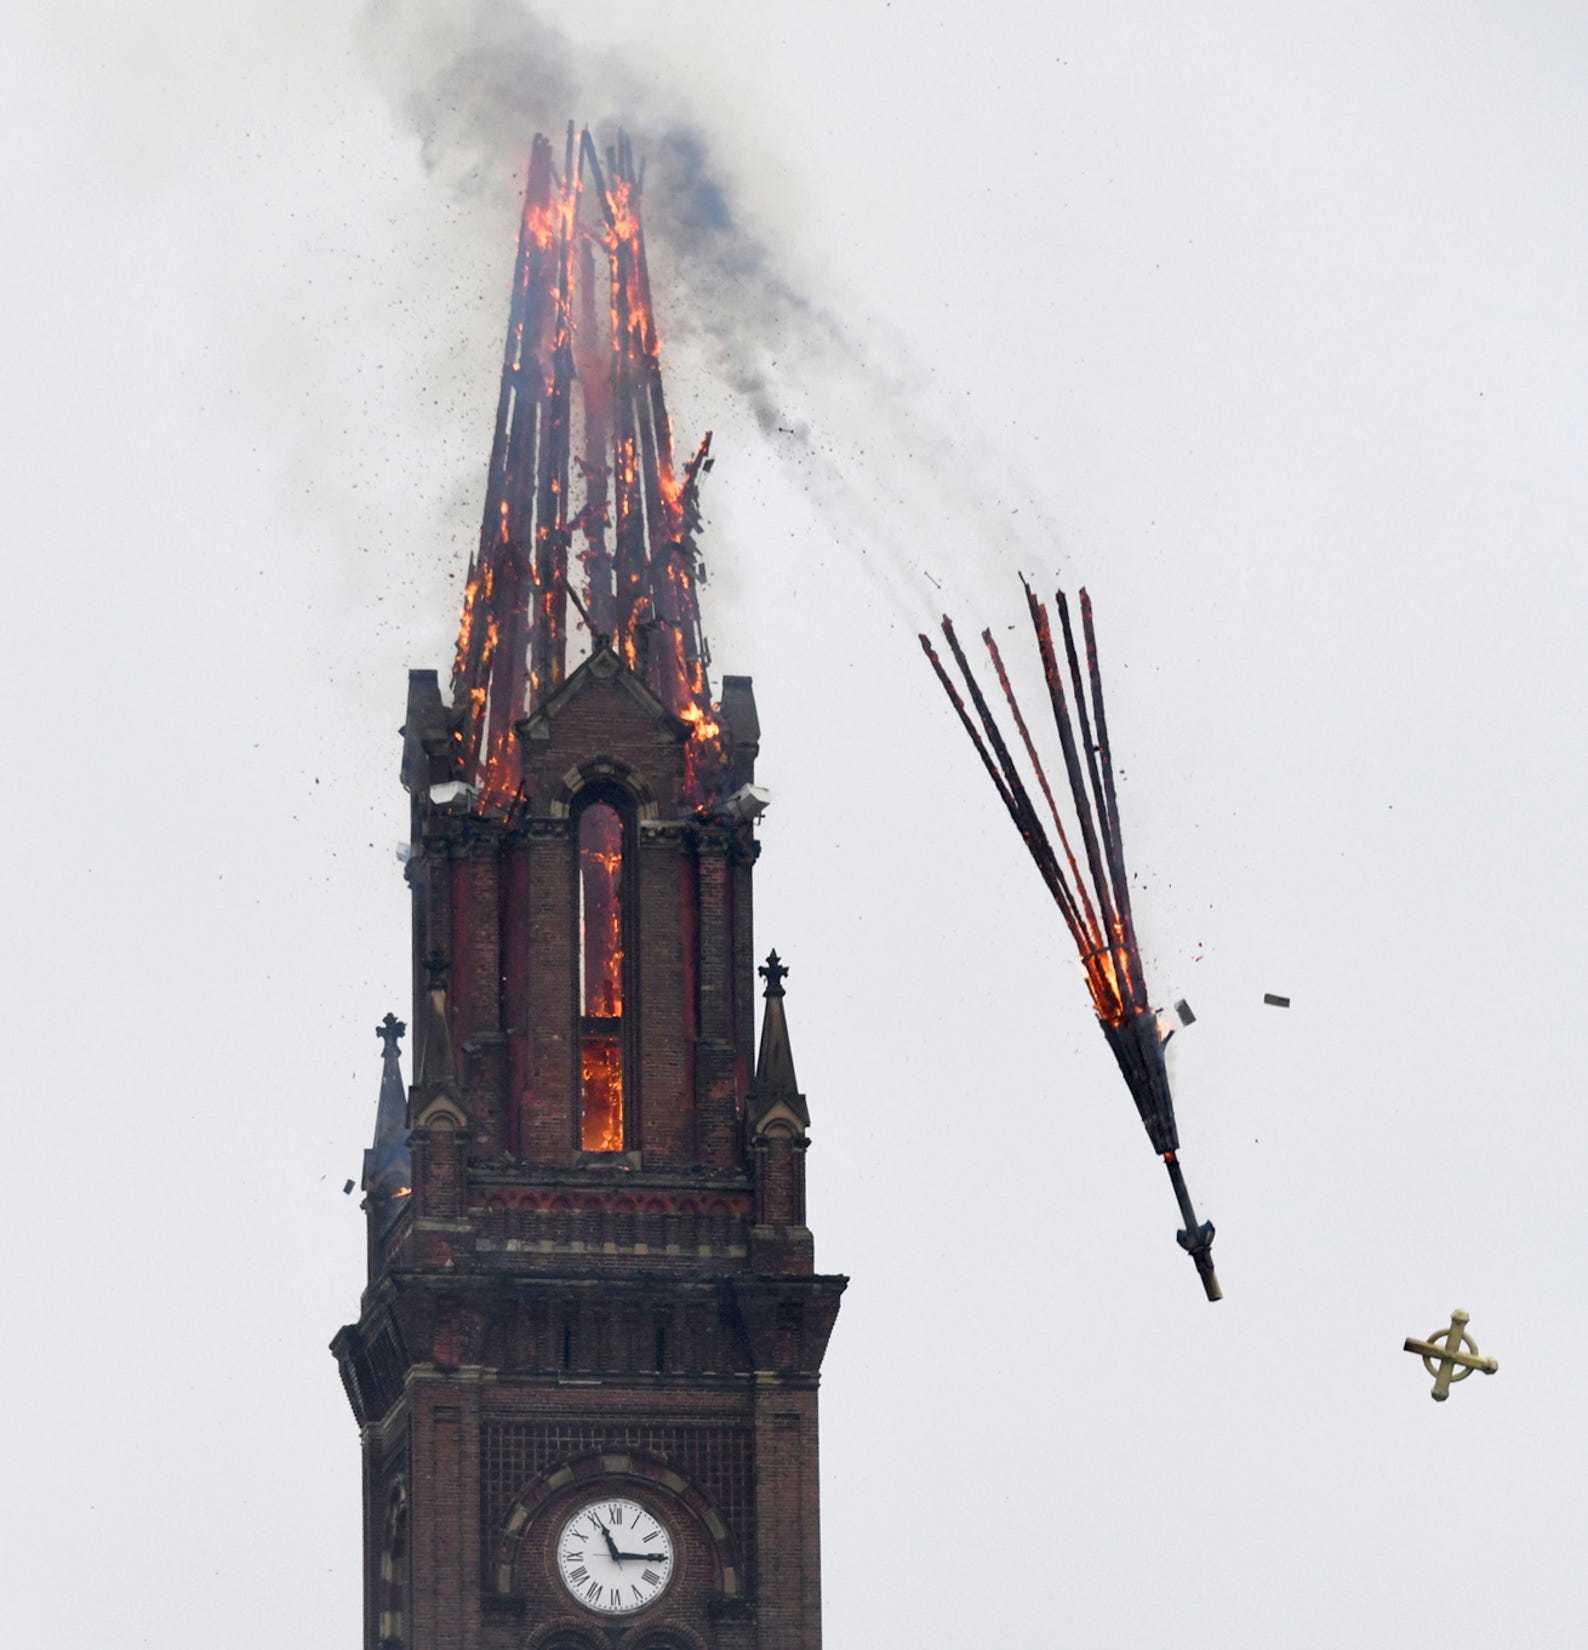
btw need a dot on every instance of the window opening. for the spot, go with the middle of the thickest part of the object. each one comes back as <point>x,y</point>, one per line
<point>601,978</point>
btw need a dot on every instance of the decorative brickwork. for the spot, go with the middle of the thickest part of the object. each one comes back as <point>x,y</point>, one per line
<point>715,1456</point>
<point>548,1323</point>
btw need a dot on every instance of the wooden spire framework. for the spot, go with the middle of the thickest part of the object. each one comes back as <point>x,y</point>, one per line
<point>581,391</point>
<point>1099,917</point>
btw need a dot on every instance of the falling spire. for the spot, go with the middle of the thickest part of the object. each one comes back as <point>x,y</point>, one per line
<point>1099,920</point>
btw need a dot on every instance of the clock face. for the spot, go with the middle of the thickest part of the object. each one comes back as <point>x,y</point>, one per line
<point>615,1557</point>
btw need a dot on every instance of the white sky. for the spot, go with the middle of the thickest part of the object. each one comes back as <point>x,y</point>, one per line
<point>1275,313</point>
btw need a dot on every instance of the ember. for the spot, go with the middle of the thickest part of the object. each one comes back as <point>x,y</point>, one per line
<point>581,392</point>
<point>1099,919</point>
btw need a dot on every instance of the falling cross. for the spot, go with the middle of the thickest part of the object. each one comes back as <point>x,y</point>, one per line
<point>1446,1345</point>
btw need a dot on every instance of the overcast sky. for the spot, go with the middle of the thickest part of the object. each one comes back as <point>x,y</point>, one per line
<point>1264,322</point>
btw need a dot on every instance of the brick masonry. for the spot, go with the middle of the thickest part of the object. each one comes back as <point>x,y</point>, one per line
<point>543,1324</point>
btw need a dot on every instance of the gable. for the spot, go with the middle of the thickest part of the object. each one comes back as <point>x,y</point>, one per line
<point>602,716</point>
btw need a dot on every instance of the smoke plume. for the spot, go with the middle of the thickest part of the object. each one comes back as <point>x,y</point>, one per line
<point>841,400</point>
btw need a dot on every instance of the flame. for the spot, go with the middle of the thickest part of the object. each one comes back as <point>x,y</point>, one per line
<point>703,725</point>
<point>646,574</point>
<point>1103,968</point>
<point>501,770</point>
<point>541,221</point>
<point>601,905</point>
<point>471,592</point>
<point>601,943</point>
<point>625,226</point>
<point>601,1084</point>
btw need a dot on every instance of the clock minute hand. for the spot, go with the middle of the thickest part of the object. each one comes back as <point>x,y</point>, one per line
<point>612,1546</point>
<point>648,1558</point>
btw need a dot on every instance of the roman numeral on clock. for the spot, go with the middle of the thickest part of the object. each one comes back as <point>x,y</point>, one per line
<point>651,1578</point>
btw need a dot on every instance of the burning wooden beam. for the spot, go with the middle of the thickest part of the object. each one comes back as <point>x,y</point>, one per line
<point>577,369</point>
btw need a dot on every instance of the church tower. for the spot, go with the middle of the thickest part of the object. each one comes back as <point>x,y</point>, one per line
<point>585,1365</point>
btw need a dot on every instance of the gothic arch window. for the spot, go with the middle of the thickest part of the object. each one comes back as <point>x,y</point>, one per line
<point>603,832</point>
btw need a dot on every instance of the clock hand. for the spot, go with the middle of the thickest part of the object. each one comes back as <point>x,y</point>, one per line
<point>649,1558</point>
<point>612,1546</point>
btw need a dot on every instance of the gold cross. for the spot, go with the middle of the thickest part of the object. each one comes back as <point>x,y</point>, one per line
<point>1454,1364</point>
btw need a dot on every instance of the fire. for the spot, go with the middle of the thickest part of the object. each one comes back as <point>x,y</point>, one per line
<point>471,592</point>
<point>541,222</point>
<point>623,225</point>
<point>1100,926</point>
<point>703,726</point>
<point>641,589</point>
<point>601,1087</point>
<point>1103,981</point>
<point>601,906</point>
<point>672,491</point>
<point>601,977</point>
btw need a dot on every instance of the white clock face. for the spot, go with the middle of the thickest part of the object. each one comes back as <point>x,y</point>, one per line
<point>615,1557</point>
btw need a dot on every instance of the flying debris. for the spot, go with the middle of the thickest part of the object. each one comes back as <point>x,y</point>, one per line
<point>581,392</point>
<point>1183,1009</point>
<point>1099,919</point>
<point>1451,1355</point>
<point>1275,1002</point>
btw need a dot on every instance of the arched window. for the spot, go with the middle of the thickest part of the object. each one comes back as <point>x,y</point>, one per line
<point>602,942</point>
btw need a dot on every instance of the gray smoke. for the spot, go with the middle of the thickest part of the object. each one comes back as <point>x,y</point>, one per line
<point>474,82</point>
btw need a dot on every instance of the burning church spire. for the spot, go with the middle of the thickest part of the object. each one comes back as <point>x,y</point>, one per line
<point>1099,918</point>
<point>587,1224</point>
<point>585,503</point>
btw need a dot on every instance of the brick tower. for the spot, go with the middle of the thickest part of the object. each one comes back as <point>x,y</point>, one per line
<point>585,1366</point>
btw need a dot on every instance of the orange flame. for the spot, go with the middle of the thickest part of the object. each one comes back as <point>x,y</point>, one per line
<point>648,576</point>
<point>601,1082</point>
<point>601,871</point>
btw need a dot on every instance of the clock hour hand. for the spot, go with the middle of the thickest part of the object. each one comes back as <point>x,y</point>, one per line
<point>612,1546</point>
<point>647,1558</point>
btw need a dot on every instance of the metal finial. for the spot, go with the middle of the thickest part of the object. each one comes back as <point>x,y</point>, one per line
<point>1453,1363</point>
